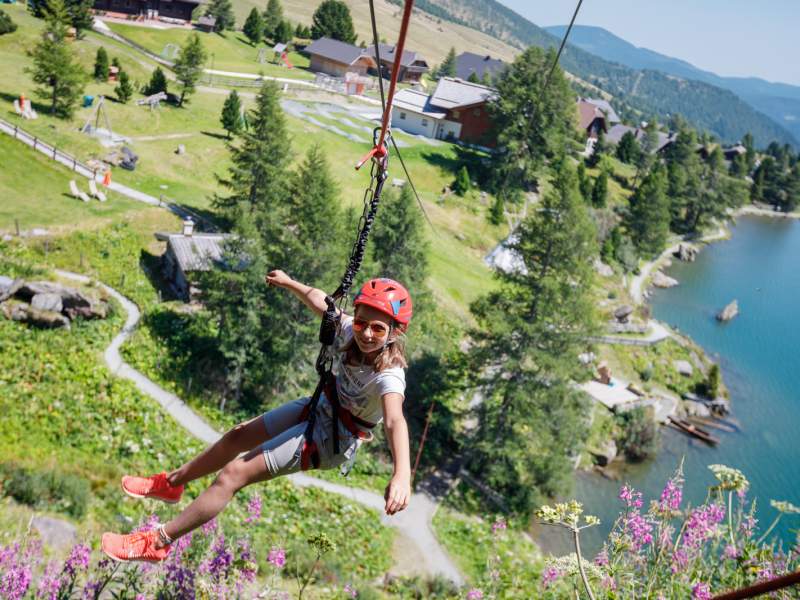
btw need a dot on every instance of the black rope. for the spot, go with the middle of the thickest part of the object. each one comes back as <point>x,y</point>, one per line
<point>561,47</point>
<point>411,183</point>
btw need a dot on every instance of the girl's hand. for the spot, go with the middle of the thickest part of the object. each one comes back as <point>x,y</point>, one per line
<point>397,494</point>
<point>278,278</point>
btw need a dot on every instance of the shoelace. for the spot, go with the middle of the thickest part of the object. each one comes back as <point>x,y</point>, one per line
<point>136,545</point>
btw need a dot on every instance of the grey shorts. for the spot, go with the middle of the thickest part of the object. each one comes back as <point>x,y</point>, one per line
<point>282,450</point>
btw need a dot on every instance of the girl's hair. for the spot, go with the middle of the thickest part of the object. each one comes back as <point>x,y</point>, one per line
<point>393,353</point>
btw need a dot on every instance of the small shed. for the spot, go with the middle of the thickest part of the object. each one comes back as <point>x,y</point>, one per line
<point>206,23</point>
<point>187,254</point>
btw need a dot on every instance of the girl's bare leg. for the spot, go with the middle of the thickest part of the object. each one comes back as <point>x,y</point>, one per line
<point>241,438</point>
<point>240,472</point>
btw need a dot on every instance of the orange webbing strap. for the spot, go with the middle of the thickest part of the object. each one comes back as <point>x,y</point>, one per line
<point>762,588</point>
<point>379,149</point>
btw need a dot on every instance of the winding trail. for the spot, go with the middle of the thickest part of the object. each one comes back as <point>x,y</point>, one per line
<point>414,524</point>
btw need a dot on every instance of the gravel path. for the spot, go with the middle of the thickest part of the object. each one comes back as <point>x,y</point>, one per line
<point>414,523</point>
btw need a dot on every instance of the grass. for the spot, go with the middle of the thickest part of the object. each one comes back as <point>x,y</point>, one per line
<point>35,193</point>
<point>231,51</point>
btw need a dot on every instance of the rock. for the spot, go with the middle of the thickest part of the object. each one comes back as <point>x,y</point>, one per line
<point>684,367</point>
<point>696,409</point>
<point>729,312</point>
<point>663,281</point>
<point>7,291</point>
<point>70,297</point>
<point>602,268</point>
<point>686,253</point>
<point>181,149</point>
<point>45,319</point>
<point>622,313</point>
<point>616,327</point>
<point>606,453</point>
<point>50,302</point>
<point>398,182</point>
<point>38,232</point>
<point>55,533</point>
<point>98,310</point>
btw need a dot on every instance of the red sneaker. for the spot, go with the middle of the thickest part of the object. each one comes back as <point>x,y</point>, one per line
<point>155,486</point>
<point>139,546</point>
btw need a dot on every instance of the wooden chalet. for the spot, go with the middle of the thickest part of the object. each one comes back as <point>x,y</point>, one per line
<point>180,10</point>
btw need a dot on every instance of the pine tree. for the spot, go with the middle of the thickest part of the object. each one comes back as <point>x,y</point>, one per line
<point>600,189</point>
<point>531,331</point>
<point>584,183</point>
<point>124,90</point>
<point>486,78</point>
<point>101,65</point>
<point>158,83</point>
<point>647,220</point>
<point>792,190</point>
<point>448,66</point>
<point>473,78</point>
<point>232,114</point>
<point>628,148</point>
<point>399,246</point>
<point>7,25</point>
<point>222,11</point>
<point>332,19</point>
<point>283,33</point>
<point>273,17</point>
<point>55,68</point>
<point>189,66</point>
<point>80,15</point>
<point>254,27</point>
<point>532,126</point>
<point>462,184</point>
<point>298,31</point>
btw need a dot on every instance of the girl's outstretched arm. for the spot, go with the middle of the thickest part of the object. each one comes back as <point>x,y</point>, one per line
<point>398,492</point>
<point>311,297</point>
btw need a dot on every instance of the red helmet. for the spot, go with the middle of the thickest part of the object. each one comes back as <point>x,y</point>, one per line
<point>387,296</point>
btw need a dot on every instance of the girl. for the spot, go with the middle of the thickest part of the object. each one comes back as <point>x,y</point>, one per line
<point>370,385</point>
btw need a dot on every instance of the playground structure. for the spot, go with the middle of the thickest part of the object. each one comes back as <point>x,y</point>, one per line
<point>154,101</point>
<point>105,135</point>
<point>23,108</point>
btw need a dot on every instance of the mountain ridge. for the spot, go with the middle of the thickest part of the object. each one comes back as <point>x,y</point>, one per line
<point>707,107</point>
<point>779,101</point>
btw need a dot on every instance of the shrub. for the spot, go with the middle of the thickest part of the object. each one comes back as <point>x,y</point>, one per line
<point>639,434</point>
<point>158,83</point>
<point>6,24</point>
<point>462,184</point>
<point>39,489</point>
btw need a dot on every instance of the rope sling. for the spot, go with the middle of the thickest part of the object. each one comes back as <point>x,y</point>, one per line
<point>331,318</point>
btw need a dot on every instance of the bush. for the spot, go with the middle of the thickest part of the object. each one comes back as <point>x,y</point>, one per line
<point>158,83</point>
<point>639,434</point>
<point>39,489</point>
<point>6,24</point>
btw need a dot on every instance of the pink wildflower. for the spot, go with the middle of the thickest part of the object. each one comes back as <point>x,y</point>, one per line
<point>350,590</point>
<point>209,527</point>
<point>730,552</point>
<point>277,557</point>
<point>701,591</point>
<point>254,509</point>
<point>639,530</point>
<point>474,594</point>
<point>671,496</point>
<point>549,575</point>
<point>499,525</point>
<point>630,497</point>
<point>601,560</point>
<point>748,525</point>
<point>680,561</point>
<point>609,582</point>
<point>149,524</point>
<point>702,525</point>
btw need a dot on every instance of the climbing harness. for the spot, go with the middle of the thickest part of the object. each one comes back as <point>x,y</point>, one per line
<point>331,318</point>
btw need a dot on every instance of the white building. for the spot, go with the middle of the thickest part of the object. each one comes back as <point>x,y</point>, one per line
<point>413,113</point>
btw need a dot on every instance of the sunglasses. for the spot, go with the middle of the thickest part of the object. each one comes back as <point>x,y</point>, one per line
<point>379,329</point>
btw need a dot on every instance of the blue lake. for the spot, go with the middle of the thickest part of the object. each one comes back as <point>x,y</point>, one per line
<point>759,354</point>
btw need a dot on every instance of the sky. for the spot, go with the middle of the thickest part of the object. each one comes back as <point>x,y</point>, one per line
<point>758,38</point>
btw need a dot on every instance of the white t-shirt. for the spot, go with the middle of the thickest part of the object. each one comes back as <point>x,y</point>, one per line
<point>360,387</point>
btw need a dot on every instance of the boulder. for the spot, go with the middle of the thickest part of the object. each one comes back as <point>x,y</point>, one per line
<point>70,297</point>
<point>686,253</point>
<point>684,367</point>
<point>696,409</point>
<point>622,313</point>
<point>45,319</point>
<point>9,287</point>
<point>602,268</point>
<point>55,533</point>
<point>98,310</point>
<point>663,281</point>
<point>606,453</point>
<point>729,312</point>
<point>49,302</point>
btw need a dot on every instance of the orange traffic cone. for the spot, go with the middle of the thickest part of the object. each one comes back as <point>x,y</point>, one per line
<point>107,178</point>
